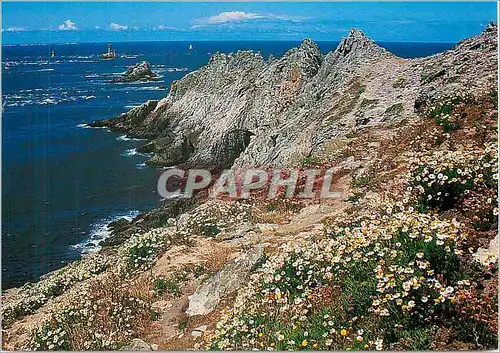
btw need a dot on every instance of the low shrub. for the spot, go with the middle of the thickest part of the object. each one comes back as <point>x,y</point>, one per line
<point>33,296</point>
<point>443,113</point>
<point>214,218</point>
<point>104,315</point>
<point>169,284</point>
<point>441,179</point>
<point>362,181</point>
<point>140,251</point>
<point>309,161</point>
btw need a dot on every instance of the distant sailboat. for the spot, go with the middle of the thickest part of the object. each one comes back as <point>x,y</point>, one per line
<point>52,54</point>
<point>190,47</point>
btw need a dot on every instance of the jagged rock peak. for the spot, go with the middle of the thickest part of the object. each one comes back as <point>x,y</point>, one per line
<point>307,47</point>
<point>357,41</point>
<point>240,57</point>
<point>308,44</point>
<point>486,40</point>
<point>306,58</point>
<point>491,27</point>
<point>357,33</point>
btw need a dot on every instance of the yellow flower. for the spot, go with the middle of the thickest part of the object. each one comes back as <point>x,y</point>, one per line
<point>304,343</point>
<point>315,345</point>
<point>260,334</point>
<point>343,332</point>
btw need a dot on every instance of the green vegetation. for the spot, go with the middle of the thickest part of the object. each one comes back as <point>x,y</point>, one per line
<point>309,161</point>
<point>169,284</point>
<point>141,251</point>
<point>443,115</point>
<point>361,181</point>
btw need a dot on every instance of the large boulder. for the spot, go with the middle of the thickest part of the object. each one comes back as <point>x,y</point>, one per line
<point>136,345</point>
<point>225,282</point>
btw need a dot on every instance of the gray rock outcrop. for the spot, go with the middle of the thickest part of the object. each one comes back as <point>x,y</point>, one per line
<point>138,72</point>
<point>136,345</point>
<point>225,282</point>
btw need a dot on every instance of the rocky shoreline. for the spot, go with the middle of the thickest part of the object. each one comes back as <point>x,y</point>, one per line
<point>122,229</point>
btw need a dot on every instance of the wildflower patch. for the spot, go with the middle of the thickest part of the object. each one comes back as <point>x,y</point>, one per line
<point>371,275</point>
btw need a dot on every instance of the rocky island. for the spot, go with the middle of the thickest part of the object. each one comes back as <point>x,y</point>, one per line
<point>138,72</point>
<point>406,259</point>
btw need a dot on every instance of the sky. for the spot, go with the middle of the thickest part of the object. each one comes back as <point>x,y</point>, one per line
<point>70,22</point>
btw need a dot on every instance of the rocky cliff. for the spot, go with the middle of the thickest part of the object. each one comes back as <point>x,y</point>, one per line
<point>243,109</point>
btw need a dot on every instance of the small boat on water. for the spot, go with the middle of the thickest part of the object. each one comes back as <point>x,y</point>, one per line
<point>190,47</point>
<point>52,53</point>
<point>111,54</point>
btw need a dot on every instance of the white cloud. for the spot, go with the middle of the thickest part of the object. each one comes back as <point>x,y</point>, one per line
<point>14,29</point>
<point>117,27</point>
<point>68,25</point>
<point>164,28</point>
<point>233,16</point>
<point>238,16</point>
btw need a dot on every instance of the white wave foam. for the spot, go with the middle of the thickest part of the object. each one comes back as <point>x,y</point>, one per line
<point>130,152</point>
<point>141,165</point>
<point>134,152</point>
<point>81,56</point>
<point>146,88</point>
<point>81,61</point>
<point>175,69</point>
<point>99,231</point>
<point>20,104</point>
<point>125,138</point>
<point>87,126</point>
<point>170,69</point>
<point>45,70</point>
<point>48,101</point>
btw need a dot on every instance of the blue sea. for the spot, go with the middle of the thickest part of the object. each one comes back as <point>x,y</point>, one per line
<point>63,182</point>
